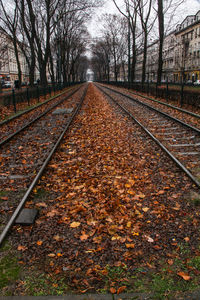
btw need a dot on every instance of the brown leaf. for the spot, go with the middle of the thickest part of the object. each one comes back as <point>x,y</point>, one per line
<point>39,243</point>
<point>184,276</point>
<point>113,290</point>
<point>170,262</point>
<point>75,224</point>
<point>84,237</point>
<point>121,289</point>
<point>21,248</point>
<point>130,245</point>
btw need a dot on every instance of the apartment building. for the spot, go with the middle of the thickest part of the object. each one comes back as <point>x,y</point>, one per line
<point>181,54</point>
<point>8,63</point>
<point>187,54</point>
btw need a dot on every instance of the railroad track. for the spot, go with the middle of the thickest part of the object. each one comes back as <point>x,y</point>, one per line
<point>176,111</point>
<point>14,125</point>
<point>23,160</point>
<point>179,140</point>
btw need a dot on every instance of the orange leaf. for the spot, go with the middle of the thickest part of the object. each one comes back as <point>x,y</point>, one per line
<point>121,289</point>
<point>184,276</point>
<point>130,245</point>
<point>112,290</point>
<point>170,262</point>
<point>84,237</point>
<point>21,248</point>
<point>75,224</point>
<point>39,243</point>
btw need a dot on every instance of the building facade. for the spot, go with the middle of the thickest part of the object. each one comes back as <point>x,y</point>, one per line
<point>8,63</point>
<point>181,54</point>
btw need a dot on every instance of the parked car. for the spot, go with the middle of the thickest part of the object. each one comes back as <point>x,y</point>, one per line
<point>197,82</point>
<point>6,84</point>
<point>189,82</point>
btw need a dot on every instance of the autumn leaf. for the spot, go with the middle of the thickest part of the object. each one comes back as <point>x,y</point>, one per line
<point>51,255</point>
<point>84,237</point>
<point>130,245</point>
<point>75,224</point>
<point>145,209</point>
<point>57,238</point>
<point>170,262</point>
<point>121,289</point>
<point>113,290</point>
<point>39,243</point>
<point>184,276</point>
<point>21,248</point>
<point>128,224</point>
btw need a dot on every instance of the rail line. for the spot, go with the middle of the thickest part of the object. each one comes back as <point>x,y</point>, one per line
<point>171,134</point>
<point>48,154</point>
<point>182,113</point>
<point>13,126</point>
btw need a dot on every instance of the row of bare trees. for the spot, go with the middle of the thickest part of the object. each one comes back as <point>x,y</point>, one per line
<point>48,31</point>
<point>130,32</point>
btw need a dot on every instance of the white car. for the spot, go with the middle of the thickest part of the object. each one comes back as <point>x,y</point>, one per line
<point>197,82</point>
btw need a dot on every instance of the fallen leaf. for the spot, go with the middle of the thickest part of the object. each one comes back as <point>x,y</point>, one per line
<point>128,224</point>
<point>184,276</point>
<point>75,224</point>
<point>57,238</point>
<point>84,237</point>
<point>113,290</point>
<point>170,262</point>
<point>21,248</point>
<point>121,289</point>
<point>130,245</point>
<point>39,243</point>
<point>51,255</point>
<point>145,209</point>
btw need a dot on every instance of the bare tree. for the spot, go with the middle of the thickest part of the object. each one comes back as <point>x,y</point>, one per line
<point>115,38</point>
<point>164,8</point>
<point>9,18</point>
<point>131,15</point>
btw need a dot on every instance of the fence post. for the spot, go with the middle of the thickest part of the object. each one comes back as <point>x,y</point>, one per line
<point>38,93</point>
<point>27,95</point>
<point>14,100</point>
<point>167,90</point>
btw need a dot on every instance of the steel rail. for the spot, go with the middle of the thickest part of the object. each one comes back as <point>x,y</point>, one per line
<point>36,119</point>
<point>39,174</point>
<point>32,108</point>
<point>168,105</point>
<point>155,109</point>
<point>165,104</point>
<point>178,163</point>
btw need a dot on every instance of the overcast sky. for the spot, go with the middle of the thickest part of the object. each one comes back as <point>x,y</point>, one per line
<point>190,7</point>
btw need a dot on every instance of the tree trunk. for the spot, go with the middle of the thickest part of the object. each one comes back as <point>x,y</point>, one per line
<point>17,59</point>
<point>161,39</point>
<point>144,57</point>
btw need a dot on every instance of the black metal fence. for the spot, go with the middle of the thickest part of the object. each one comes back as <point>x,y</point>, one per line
<point>25,95</point>
<point>181,96</point>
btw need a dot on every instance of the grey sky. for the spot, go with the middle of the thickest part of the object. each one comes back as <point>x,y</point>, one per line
<point>190,7</point>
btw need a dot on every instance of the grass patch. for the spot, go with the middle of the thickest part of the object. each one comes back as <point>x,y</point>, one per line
<point>3,193</point>
<point>9,268</point>
<point>43,285</point>
<point>195,199</point>
<point>40,193</point>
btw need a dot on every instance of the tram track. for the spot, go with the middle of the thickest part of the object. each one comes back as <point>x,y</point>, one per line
<point>175,111</point>
<point>178,139</point>
<point>14,125</point>
<point>28,155</point>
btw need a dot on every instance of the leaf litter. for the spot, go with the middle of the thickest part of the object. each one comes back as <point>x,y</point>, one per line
<point>112,202</point>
